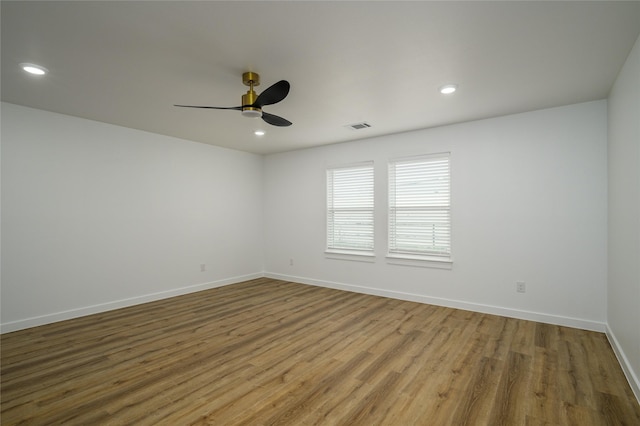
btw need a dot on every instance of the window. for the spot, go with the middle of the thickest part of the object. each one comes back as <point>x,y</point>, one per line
<point>419,208</point>
<point>350,208</point>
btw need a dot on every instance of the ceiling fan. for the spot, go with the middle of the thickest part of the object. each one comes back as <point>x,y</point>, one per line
<point>252,104</point>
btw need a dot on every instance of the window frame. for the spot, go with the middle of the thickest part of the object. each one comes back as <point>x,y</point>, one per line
<point>336,251</point>
<point>403,256</point>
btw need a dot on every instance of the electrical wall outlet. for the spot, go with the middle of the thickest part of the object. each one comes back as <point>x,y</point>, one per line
<point>521,287</point>
<point>203,267</point>
<point>290,262</point>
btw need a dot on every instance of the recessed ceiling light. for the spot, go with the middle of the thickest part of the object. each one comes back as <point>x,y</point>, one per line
<point>259,133</point>
<point>448,89</point>
<point>34,69</point>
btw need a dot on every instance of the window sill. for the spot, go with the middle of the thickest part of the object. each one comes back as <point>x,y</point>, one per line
<point>420,261</point>
<point>355,256</point>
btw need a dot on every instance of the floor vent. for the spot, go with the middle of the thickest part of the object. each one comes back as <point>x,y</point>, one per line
<point>359,126</point>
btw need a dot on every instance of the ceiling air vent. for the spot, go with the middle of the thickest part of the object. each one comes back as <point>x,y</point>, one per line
<point>359,126</point>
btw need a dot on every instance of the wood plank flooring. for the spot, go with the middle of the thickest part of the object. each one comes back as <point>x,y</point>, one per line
<point>268,352</point>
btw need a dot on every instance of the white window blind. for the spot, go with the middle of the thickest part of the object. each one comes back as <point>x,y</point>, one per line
<point>350,208</point>
<point>419,206</point>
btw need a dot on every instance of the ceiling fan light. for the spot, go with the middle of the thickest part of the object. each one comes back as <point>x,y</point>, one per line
<point>252,113</point>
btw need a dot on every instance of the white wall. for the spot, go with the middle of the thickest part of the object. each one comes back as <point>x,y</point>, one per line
<point>529,202</point>
<point>96,216</point>
<point>623,296</point>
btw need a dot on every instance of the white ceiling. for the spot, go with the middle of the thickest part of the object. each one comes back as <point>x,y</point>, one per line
<point>127,63</point>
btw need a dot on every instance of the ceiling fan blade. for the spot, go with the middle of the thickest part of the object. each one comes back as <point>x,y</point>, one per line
<point>274,120</point>
<point>238,108</point>
<point>273,94</point>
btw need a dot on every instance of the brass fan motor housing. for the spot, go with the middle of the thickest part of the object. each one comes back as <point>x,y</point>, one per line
<point>249,98</point>
<point>250,79</point>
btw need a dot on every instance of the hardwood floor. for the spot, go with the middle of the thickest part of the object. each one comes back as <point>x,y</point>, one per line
<point>268,352</point>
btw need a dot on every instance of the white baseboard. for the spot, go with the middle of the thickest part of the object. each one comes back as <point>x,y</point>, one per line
<point>123,303</point>
<point>450,303</point>
<point>632,378</point>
